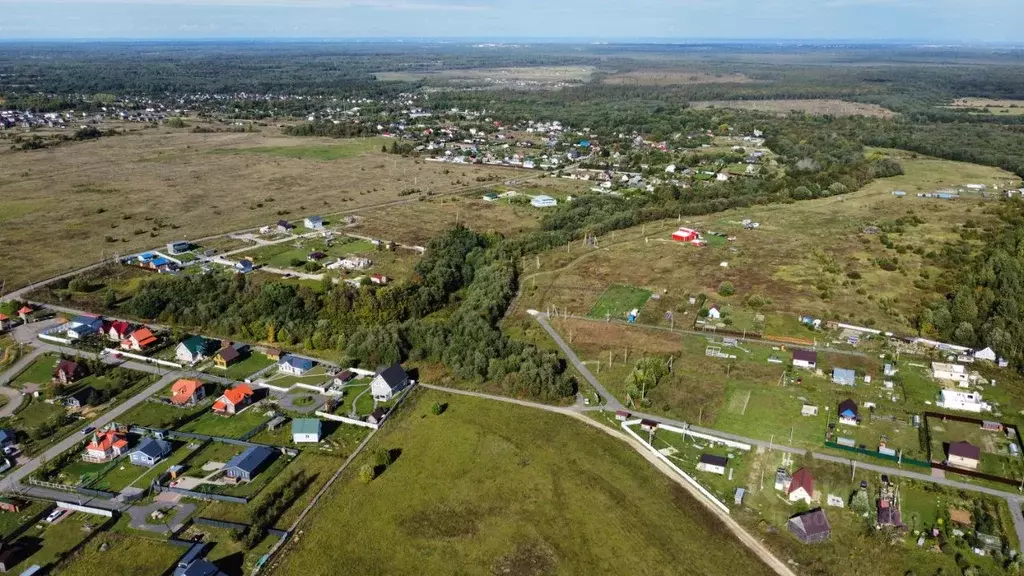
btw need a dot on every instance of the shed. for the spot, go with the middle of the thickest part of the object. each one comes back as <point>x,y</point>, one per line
<point>306,430</point>
<point>737,498</point>
<point>810,527</point>
<point>805,359</point>
<point>844,377</point>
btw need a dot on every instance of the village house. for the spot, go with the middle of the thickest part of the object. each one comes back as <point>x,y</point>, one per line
<point>82,326</point>
<point>5,322</point>
<point>388,382</point>
<point>11,505</point>
<point>805,359</point>
<point>963,401</point>
<point>951,372</point>
<point>116,330</point>
<point>964,455</point>
<point>343,377</point>
<point>313,222</point>
<point>844,377</point>
<point>234,400</point>
<point>284,226</point>
<point>543,201</point>
<point>272,354</point>
<point>294,365</point>
<point>194,349</point>
<point>228,355</point>
<point>801,487</point>
<point>25,313</point>
<point>810,527</point>
<point>149,452</point>
<point>622,415</point>
<point>379,279</point>
<point>848,414</point>
<point>178,247</point>
<point>713,464</point>
<point>306,430</point>
<point>140,340</point>
<point>350,263</point>
<point>187,392</point>
<point>69,371</point>
<point>245,466</point>
<point>78,398</point>
<point>986,354</point>
<point>105,446</point>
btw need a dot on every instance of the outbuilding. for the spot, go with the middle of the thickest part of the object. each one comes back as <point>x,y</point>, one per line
<point>306,430</point>
<point>805,359</point>
<point>713,464</point>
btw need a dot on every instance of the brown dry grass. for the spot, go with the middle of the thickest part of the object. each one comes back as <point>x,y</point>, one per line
<point>673,77</point>
<point>785,260</point>
<point>985,102</point>
<point>58,205</point>
<point>817,107</point>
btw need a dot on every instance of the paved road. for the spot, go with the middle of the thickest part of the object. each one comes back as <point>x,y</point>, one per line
<point>32,465</point>
<point>1014,500</point>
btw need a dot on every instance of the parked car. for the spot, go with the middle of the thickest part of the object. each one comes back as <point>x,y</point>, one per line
<point>88,430</point>
<point>55,515</point>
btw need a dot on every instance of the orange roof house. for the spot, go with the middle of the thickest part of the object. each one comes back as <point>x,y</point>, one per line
<point>139,340</point>
<point>105,445</point>
<point>187,392</point>
<point>233,400</point>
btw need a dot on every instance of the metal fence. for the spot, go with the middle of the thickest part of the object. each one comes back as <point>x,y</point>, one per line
<point>200,495</point>
<point>872,453</point>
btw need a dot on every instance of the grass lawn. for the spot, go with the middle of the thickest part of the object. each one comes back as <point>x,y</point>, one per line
<point>503,487</point>
<point>78,471</point>
<point>125,554</point>
<point>126,474</point>
<point>48,543</point>
<point>39,372</point>
<point>31,417</point>
<point>226,426</point>
<point>158,414</point>
<point>618,300</point>
<point>250,489</point>
<point>11,521</point>
<point>229,556</point>
<point>243,369</point>
<point>212,452</point>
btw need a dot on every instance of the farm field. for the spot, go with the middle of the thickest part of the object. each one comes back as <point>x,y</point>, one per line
<point>47,543</point>
<point>617,301</point>
<point>990,106</point>
<point>123,554</point>
<point>531,74</point>
<point>816,107</point>
<point>788,266</point>
<point>322,152</point>
<point>501,486</point>
<point>109,204</point>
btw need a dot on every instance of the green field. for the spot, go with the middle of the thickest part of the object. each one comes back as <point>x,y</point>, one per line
<point>38,372</point>
<point>11,521</point>
<point>123,555</point>
<point>126,474</point>
<point>226,426</point>
<point>618,300</point>
<point>344,149</point>
<point>158,414</point>
<point>504,489</point>
<point>48,542</point>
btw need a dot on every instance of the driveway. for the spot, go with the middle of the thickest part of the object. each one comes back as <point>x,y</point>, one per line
<point>140,516</point>
<point>287,402</point>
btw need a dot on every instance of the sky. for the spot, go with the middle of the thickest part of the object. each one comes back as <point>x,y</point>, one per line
<point>940,21</point>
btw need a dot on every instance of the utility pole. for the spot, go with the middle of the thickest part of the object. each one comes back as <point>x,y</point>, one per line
<point>771,443</point>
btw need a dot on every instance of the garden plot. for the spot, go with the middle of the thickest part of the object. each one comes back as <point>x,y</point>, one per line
<point>996,455</point>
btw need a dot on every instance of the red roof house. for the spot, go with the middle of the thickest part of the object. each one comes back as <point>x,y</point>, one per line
<point>139,340</point>
<point>233,400</point>
<point>801,487</point>
<point>187,392</point>
<point>105,445</point>
<point>116,330</point>
<point>685,235</point>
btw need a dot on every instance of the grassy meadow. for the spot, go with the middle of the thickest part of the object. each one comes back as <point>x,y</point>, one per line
<point>504,489</point>
<point>144,189</point>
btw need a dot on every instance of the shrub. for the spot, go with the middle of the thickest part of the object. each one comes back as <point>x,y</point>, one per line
<point>438,408</point>
<point>726,289</point>
<point>367,473</point>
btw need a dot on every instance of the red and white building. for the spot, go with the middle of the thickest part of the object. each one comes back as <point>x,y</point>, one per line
<point>688,235</point>
<point>105,445</point>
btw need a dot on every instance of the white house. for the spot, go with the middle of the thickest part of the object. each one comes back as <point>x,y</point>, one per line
<point>963,401</point>
<point>713,464</point>
<point>388,382</point>
<point>808,410</point>
<point>714,313</point>
<point>986,354</point>
<point>543,201</point>
<point>294,365</point>
<point>313,222</point>
<point>952,372</point>
<point>805,359</point>
<point>306,430</point>
<point>350,263</point>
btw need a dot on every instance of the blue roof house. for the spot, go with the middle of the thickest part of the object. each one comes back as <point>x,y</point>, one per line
<point>243,266</point>
<point>82,326</point>
<point>844,377</point>
<point>7,437</point>
<point>149,452</point>
<point>248,464</point>
<point>294,365</point>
